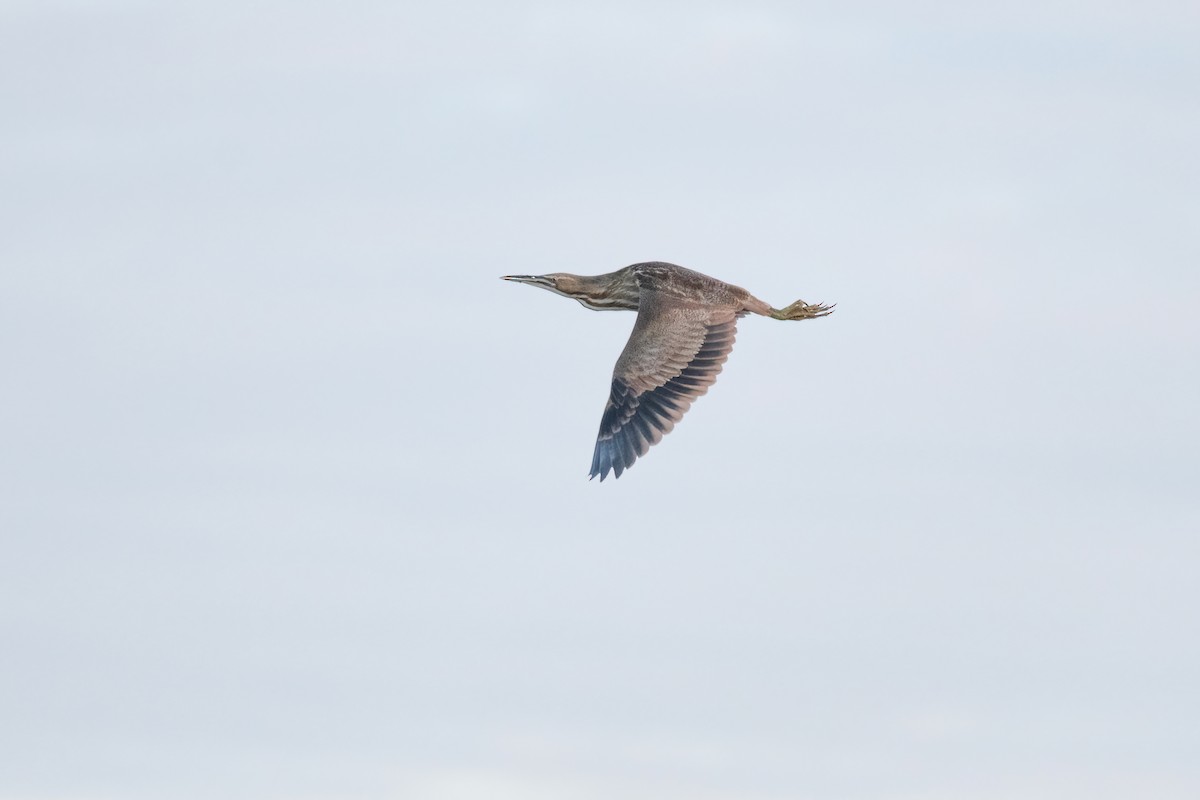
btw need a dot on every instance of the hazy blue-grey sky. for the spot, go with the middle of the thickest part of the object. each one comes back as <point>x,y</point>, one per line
<point>294,497</point>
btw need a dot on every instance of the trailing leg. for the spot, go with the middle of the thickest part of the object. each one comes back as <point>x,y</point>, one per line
<point>801,310</point>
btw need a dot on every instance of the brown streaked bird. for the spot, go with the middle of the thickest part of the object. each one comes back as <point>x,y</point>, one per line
<point>684,331</point>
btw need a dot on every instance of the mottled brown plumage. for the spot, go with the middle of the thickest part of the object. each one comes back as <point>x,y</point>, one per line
<point>684,331</point>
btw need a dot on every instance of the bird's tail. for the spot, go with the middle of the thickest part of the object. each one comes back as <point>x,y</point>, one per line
<point>802,310</point>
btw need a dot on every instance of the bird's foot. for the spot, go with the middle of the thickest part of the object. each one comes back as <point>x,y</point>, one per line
<point>802,310</point>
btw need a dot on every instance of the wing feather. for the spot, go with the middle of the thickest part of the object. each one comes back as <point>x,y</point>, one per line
<point>674,354</point>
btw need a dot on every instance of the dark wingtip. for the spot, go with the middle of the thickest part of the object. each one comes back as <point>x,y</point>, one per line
<point>595,463</point>
<point>603,461</point>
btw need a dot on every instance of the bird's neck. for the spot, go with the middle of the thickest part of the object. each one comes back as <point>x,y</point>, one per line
<point>611,291</point>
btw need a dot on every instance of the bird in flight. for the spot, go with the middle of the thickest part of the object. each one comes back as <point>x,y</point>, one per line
<point>684,331</point>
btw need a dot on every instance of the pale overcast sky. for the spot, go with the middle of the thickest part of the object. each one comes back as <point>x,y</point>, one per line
<point>294,491</point>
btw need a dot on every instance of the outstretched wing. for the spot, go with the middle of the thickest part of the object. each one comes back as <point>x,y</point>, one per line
<point>673,355</point>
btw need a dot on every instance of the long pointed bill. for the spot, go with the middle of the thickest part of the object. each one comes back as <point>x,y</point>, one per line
<point>535,280</point>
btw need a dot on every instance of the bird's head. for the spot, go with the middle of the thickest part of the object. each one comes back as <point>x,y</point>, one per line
<point>597,292</point>
<point>558,282</point>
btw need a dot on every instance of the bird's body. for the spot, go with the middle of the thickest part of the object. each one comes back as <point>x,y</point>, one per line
<point>684,332</point>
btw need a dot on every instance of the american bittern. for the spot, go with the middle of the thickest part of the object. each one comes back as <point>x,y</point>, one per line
<point>684,331</point>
